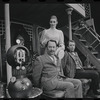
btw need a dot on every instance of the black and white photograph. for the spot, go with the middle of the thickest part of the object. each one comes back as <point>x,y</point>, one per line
<point>49,50</point>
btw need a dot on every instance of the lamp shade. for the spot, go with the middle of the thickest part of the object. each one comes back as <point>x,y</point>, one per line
<point>18,55</point>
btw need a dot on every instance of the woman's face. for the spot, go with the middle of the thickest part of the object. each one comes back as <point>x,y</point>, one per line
<point>53,23</point>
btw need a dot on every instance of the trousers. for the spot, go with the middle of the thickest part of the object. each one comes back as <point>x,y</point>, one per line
<point>72,87</point>
<point>89,74</point>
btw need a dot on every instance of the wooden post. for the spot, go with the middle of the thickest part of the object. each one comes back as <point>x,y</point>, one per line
<point>69,11</point>
<point>8,40</point>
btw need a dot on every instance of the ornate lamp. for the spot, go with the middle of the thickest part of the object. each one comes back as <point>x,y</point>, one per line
<point>20,86</point>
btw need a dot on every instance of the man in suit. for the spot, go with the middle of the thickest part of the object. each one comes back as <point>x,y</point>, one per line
<point>73,68</point>
<point>48,74</point>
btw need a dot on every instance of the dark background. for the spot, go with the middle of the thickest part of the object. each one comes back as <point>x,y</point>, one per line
<point>95,13</point>
<point>40,15</point>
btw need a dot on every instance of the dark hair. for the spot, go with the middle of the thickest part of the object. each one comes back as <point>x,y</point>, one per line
<point>71,41</point>
<point>51,41</point>
<point>53,17</point>
<point>68,44</point>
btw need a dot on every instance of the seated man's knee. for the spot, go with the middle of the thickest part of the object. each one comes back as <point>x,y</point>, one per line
<point>70,92</point>
<point>78,82</point>
<point>69,85</point>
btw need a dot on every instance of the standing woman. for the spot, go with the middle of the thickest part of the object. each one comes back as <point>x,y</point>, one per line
<point>54,34</point>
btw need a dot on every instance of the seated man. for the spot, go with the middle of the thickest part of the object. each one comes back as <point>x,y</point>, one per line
<point>73,68</point>
<point>48,74</point>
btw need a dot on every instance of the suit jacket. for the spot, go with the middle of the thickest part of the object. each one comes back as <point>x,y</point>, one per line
<point>68,64</point>
<point>45,72</point>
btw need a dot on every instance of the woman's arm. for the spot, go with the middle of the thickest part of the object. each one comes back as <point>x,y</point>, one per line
<point>61,40</point>
<point>61,46</point>
<point>43,39</point>
<point>65,65</point>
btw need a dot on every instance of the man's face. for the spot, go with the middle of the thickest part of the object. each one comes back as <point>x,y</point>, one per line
<point>71,46</point>
<point>51,48</point>
<point>53,22</point>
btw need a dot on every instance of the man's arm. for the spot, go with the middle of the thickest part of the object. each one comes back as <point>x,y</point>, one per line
<point>79,60</point>
<point>43,39</point>
<point>37,70</point>
<point>65,65</point>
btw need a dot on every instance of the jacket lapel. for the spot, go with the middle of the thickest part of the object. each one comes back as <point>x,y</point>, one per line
<point>49,59</point>
<point>71,56</point>
<point>74,58</point>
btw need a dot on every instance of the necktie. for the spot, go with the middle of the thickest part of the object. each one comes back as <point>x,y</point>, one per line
<point>54,60</point>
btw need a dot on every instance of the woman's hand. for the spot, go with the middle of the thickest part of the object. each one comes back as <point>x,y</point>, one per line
<point>59,53</point>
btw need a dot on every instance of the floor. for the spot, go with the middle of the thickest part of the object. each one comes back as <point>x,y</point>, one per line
<point>91,95</point>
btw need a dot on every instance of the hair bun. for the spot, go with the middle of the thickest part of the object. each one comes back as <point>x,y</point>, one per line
<point>53,17</point>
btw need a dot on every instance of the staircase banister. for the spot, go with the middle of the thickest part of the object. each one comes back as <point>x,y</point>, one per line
<point>83,49</point>
<point>86,52</point>
<point>86,26</point>
<point>92,24</point>
<point>95,32</point>
<point>92,33</point>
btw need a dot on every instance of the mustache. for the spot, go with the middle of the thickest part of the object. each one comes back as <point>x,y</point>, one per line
<point>52,51</point>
